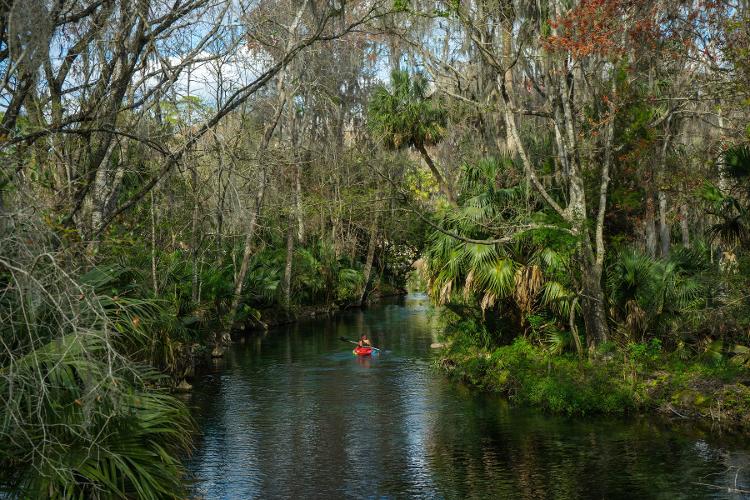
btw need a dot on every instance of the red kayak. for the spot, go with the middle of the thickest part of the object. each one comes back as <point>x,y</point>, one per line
<point>362,351</point>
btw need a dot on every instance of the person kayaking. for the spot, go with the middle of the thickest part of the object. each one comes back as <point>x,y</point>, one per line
<point>364,341</point>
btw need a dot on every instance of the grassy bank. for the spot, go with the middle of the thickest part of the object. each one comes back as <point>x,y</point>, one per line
<point>610,382</point>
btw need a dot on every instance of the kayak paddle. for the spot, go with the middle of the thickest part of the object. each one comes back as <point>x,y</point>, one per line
<point>355,342</point>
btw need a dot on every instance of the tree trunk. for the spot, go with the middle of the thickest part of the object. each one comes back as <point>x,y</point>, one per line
<point>436,174</point>
<point>370,257</point>
<point>262,148</point>
<point>576,211</point>
<point>194,240</point>
<point>104,187</point>
<point>287,286</point>
<point>153,247</point>
<point>507,18</point>
<point>221,193</point>
<point>720,162</point>
<point>649,228</point>
<point>247,251</point>
<point>665,234</point>
<point>298,202</point>
<point>664,230</point>
<point>593,304</point>
<point>685,225</point>
<point>574,329</point>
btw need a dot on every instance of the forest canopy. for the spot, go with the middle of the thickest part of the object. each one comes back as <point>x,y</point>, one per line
<point>572,173</point>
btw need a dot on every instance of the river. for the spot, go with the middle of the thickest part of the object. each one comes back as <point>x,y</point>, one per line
<point>294,414</point>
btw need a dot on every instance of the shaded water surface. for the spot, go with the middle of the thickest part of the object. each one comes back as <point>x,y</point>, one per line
<point>296,415</point>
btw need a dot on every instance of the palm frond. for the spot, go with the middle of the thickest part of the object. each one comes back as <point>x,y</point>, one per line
<point>498,277</point>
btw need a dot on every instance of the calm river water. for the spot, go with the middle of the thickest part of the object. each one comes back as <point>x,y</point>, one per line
<point>296,415</point>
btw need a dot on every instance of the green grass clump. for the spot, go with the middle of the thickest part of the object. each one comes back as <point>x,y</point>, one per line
<point>612,381</point>
<point>558,383</point>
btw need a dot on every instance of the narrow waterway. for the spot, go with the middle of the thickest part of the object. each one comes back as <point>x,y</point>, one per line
<point>295,414</point>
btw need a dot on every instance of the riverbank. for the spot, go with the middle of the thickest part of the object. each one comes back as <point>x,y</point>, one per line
<point>197,356</point>
<point>715,393</point>
<point>276,317</point>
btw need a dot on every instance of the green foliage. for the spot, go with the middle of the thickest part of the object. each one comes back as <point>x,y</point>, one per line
<point>349,286</point>
<point>530,375</point>
<point>645,353</point>
<point>651,297</point>
<point>318,277</point>
<point>187,111</point>
<point>508,283</point>
<point>162,330</point>
<point>404,116</point>
<point>80,417</point>
<point>730,208</point>
<point>741,355</point>
<point>400,5</point>
<point>87,431</point>
<point>737,161</point>
<point>469,332</point>
<point>557,340</point>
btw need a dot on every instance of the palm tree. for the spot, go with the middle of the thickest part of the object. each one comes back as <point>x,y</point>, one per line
<point>732,227</point>
<point>81,418</point>
<point>506,282</point>
<point>656,297</point>
<point>405,117</point>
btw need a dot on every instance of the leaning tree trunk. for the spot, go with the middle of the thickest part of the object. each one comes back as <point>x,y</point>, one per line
<point>436,174</point>
<point>262,148</point>
<point>240,278</point>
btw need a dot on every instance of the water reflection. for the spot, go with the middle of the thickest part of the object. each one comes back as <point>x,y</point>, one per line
<point>297,415</point>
